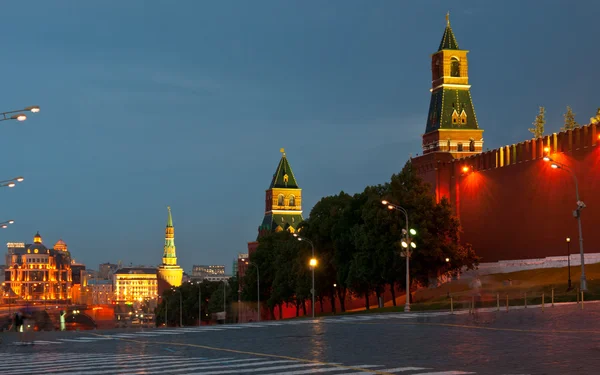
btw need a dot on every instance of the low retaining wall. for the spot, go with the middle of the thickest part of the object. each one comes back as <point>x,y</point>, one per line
<point>507,266</point>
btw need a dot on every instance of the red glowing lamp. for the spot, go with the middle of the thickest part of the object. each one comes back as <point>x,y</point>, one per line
<point>546,149</point>
<point>465,169</point>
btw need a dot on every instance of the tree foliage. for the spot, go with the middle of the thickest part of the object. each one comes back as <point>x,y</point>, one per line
<point>570,122</point>
<point>538,124</point>
<point>358,245</point>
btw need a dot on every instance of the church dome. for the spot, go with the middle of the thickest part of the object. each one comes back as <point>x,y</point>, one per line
<point>60,245</point>
<point>37,238</point>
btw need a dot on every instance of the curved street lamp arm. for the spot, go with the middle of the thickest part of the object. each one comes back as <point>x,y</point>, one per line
<point>31,108</point>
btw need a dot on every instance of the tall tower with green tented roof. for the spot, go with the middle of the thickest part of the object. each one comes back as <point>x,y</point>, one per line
<point>283,201</point>
<point>169,272</point>
<point>451,122</point>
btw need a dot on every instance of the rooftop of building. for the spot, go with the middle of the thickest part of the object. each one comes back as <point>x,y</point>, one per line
<point>136,270</point>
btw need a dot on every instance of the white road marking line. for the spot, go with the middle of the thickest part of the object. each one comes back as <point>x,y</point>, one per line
<point>403,369</point>
<point>114,367</point>
<point>445,373</point>
<point>246,371</point>
<point>171,370</point>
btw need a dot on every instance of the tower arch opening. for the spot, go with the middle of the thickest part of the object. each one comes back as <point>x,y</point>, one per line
<point>454,67</point>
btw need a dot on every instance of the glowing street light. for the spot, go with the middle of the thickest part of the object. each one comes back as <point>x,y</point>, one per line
<point>576,213</point>
<point>18,115</point>
<point>12,182</point>
<point>313,264</point>
<point>406,243</point>
<point>4,224</point>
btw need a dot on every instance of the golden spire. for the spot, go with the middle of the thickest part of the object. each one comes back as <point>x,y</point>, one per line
<point>448,18</point>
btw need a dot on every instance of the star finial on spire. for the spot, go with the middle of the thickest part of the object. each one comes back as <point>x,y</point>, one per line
<point>448,18</point>
<point>282,150</point>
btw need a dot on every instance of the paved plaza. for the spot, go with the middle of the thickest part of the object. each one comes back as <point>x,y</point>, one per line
<point>557,340</point>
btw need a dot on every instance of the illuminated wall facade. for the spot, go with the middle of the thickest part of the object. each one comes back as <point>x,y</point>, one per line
<point>513,205</point>
<point>135,284</point>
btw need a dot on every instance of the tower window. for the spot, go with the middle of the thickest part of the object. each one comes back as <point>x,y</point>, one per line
<point>280,200</point>
<point>472,145</point>
<point>292,200</point>
<point>459,147</point>
<point>454,67</point>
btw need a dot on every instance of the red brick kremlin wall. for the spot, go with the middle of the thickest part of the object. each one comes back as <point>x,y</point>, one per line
<point>513,205</point>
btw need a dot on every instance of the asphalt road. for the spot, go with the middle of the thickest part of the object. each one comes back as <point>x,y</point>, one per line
<point>558,340</point>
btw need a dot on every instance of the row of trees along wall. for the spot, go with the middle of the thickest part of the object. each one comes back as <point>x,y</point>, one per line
<point>358,247</point>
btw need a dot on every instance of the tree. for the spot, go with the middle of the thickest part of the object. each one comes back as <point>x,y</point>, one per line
<point>538,124</point>
<point>437,228</point>
<point>570,122</point>
<point>596,119</point>
<point>320,228</point>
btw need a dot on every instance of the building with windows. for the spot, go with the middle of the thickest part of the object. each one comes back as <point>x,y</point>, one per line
<point>200,273</point>
<point>37,273</point>
<point>135,284</point>
<point>105,270</point>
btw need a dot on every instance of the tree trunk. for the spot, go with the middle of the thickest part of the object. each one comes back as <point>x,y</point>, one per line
<point>321,303</point>
<point>377,295</point>
<point>332,300</point>
<point>304,307</point>
<point>393,290</point>
<point>367,301</point>
<point>297,308</point>
<point>272,312</point>
<point>280,306</point>
<point>342,298</point>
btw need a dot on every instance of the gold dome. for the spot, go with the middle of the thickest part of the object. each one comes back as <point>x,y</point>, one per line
<point>60,245</point>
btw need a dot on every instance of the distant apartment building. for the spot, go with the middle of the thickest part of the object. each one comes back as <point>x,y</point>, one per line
<point>205,272</point>
<point>133,284</point>
<point>105,270</point>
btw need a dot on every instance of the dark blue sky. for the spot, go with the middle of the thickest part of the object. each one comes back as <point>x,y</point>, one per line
<point>153,103</point>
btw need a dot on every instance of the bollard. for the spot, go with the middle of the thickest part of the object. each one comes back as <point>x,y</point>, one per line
<point>582,300</point>
<point>506,302</point>
<point>542,301</point>
<point>451,306</point>
<point>525,299</point>
<point>552,297</point>
<point>497,301</point>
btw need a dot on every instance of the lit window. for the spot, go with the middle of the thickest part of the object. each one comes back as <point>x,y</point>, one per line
<point>292,200</point>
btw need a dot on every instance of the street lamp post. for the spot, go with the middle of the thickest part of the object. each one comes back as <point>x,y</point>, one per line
<point>569,261</point>
<point>313,264</point>
<point>448,263</point>
<point>576,213</point>
<point>4,224</point>
<point>12,182</point>
<point>257,288</point>
<point>18,114</point>
<point>224,301</point>
<point>199,303</point>
<point>407,244</point>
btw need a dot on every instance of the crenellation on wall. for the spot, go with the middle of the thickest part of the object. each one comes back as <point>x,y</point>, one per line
<point>533,149</point>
